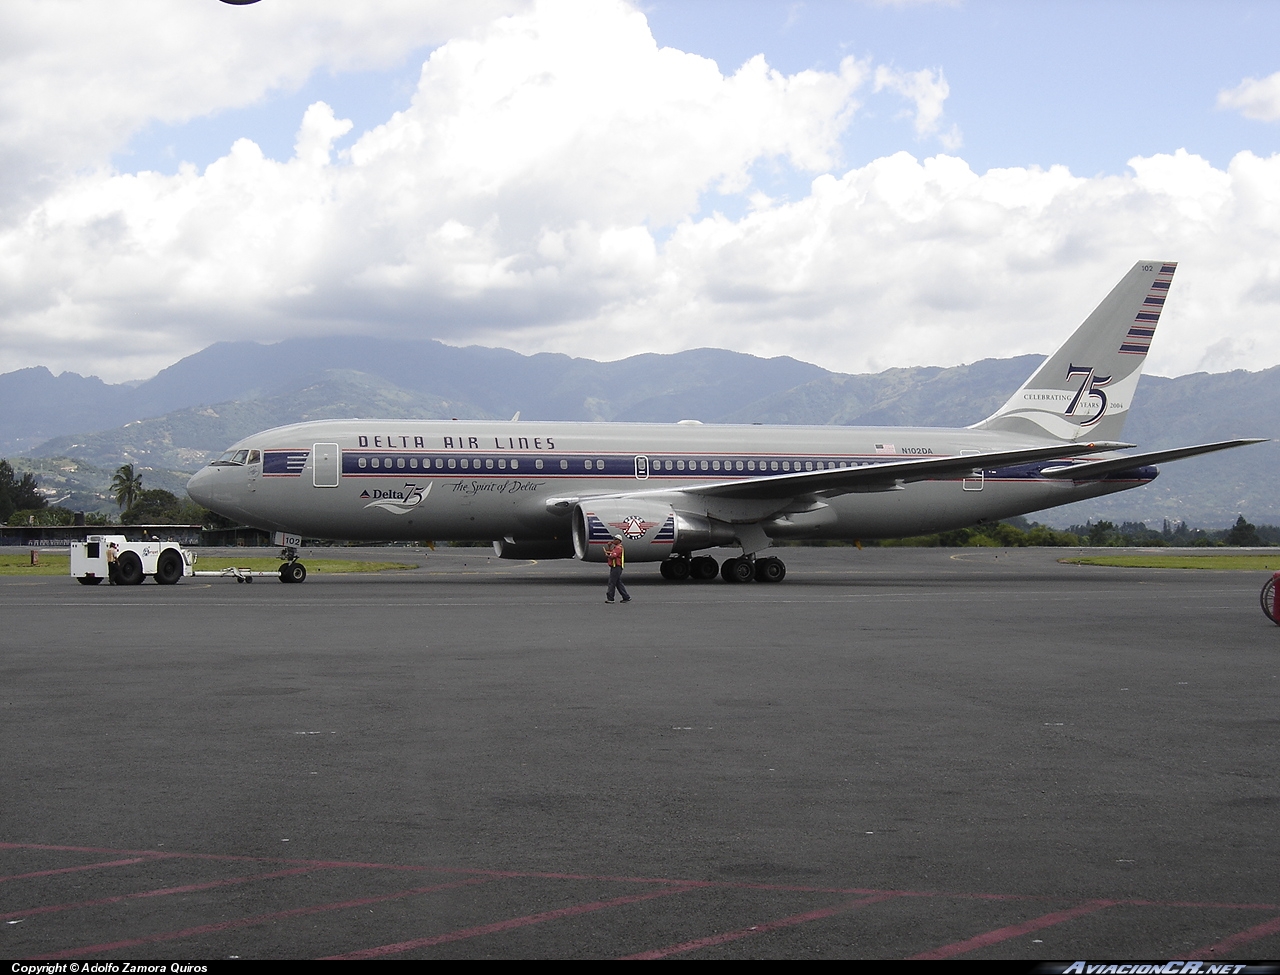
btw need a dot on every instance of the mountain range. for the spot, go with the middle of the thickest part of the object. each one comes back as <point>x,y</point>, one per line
<point>73,430</point>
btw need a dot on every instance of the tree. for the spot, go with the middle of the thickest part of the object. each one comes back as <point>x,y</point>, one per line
<point>154,507</point>
<point>18,494</point>
<point>1243,533</point>
<point>126,486</point>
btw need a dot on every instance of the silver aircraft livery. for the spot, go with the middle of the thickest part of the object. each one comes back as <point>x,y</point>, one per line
<point>562,490</point>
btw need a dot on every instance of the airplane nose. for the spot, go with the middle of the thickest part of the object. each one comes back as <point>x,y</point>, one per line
<point>200,487</point>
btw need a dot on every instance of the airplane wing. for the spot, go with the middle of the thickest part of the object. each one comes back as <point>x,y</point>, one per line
<point>847,480</point>
<point>1101,468</point>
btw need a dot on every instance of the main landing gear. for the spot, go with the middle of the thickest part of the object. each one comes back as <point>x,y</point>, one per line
<point>704,568</point>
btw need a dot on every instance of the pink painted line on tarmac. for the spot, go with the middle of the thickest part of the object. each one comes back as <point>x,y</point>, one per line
<point>786,922</point>
<point>246,922</point>
<point>84,866</point>
<point>1013,931</point>
<point>516,922</point>
<point>158,892</point>
<point>1239,938</point>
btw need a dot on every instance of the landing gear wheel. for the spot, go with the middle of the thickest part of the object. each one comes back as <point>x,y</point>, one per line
<point>169,567</point>
<point>129,569</point>
<point>676,568</point>
<point>737,570</point>
<point>770,570</point>
<point>704,568</point>
<point>293,572</point>
<point>1267,598</point>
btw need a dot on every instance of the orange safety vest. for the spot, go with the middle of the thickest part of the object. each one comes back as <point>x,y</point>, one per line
<point>614,553</point>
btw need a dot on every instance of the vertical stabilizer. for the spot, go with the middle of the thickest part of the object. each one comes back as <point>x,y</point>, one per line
<point>1083,390</point>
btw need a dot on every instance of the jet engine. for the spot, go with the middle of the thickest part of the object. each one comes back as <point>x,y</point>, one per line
<point>650,530</point>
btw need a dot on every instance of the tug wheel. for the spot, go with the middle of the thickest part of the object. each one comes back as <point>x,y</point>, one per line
<point>1268,599</point>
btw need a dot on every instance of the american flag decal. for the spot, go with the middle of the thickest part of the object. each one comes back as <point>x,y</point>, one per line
<point>1138,339</point>
<point>284,462</point>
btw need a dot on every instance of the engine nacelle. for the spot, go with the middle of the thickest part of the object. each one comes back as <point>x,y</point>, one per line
<point>650,530</point>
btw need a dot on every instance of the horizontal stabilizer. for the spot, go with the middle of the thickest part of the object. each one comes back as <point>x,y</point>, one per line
<point>1101,468</point>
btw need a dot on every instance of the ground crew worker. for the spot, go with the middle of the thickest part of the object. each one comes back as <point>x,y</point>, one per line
<point>113,566</point>
<point>614,554</point>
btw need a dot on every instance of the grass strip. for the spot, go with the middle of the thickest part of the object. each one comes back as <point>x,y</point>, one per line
<point>60,565</point>
<point>1239,563</point>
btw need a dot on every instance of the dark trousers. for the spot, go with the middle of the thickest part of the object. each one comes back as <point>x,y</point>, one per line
<point>615,582</point>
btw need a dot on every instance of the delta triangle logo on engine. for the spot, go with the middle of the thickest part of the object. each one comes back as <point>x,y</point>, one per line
<point>397,502</point>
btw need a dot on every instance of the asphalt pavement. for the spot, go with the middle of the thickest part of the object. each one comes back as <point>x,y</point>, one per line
<point>894,753</point>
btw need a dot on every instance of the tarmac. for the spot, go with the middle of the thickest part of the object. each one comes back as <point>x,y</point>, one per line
<point>894,753</point>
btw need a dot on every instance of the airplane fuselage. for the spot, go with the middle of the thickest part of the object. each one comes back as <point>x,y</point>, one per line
<point>487,480</point>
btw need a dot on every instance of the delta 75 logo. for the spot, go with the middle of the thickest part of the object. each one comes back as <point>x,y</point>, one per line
<point>1090,386</point>
<point>397,502</point>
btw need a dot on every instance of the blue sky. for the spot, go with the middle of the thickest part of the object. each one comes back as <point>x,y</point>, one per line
<point>575,176</point>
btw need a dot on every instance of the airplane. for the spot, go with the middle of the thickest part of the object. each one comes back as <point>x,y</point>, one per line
<point>544,489</point>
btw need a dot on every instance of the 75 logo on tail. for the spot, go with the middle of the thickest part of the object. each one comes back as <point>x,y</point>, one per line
<point>1090,386</point>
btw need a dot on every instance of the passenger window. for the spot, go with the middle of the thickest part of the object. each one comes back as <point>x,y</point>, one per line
<point>564,465</point>
<point>440,463</point>
<point>586,464</point>
<point>488,462</point>
<point>680,465</point>
<point>362,463</point>
<point>808,465</point>
<point>374,462</point>
<point>452,462</point>
<point>387,463</point>
<point>515,464</point>
<point>538,463</point>
<point>751,465</point>
<point>413,462</point>
<point>464,463</point>
<point>739,465</point>
<point>715,464</point>
<point>704,465</point>
<point>599,465</point>
<point>400,462</point>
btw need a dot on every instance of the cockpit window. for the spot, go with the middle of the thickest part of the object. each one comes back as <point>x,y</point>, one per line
<point>232,458</point>
<point>255,457</point>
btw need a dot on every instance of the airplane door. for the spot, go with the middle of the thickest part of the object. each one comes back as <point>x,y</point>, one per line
<point>975,481</point>
<point>325,459</point>
<point>642,467</point>
<point>254,468</point>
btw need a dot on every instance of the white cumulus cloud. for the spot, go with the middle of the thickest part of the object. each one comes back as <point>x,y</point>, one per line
<point>1256,98</point>
<point>545,189</point>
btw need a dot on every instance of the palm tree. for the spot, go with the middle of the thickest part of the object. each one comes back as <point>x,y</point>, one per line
<point>126,486</point>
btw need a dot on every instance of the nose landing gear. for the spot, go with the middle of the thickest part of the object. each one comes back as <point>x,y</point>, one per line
<point>292,570</point>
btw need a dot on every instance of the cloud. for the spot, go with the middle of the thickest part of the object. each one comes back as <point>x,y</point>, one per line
<point>78,79</point>
<point>1255,98</point>
<point>545,190</point>
<point>927,89</point>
